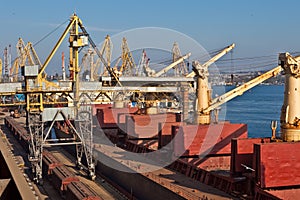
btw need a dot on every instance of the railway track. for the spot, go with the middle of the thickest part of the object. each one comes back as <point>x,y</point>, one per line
<point>59,169</point>
<point>70,183</point>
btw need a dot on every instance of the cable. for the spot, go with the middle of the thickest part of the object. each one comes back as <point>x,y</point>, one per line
<point>47,35</point>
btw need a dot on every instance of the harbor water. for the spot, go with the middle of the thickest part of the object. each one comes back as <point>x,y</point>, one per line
<point>256,108</point>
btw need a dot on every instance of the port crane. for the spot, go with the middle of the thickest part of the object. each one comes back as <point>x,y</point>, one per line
<point>128,65</point>
<point>180,69</point>
<point>38,115</point>
<point>26,56</point>
<point>106,50</point>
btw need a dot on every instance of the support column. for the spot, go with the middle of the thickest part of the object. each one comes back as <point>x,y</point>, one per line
<point>290,111</point>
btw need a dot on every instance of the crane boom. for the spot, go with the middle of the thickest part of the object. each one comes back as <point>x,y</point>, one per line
<point>166,69</point>
<point>241,89</point>
<point>214,59</point>
<point>62,37</point>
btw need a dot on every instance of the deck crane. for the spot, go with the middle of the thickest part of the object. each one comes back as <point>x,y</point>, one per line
<point>214,59</point>
<point>204,103</point>
<point>181,59</point>
<point>290,111</point>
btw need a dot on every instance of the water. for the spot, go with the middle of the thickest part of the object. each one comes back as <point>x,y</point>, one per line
<point>256,108</point>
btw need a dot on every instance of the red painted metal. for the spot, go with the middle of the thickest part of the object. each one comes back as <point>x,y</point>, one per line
<point>165,132</point>
<point>95,107</point>
<point>113,117</point>
<point>50,162</point>
<point>216,162</point>
<point>277,164</point>
<point>146,126</point>
<point>242,154</point>
<point>194,140</point>
<point>273,194</point>
<point>287,194</point>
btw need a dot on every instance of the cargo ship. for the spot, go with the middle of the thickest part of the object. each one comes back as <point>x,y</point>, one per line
<point>140,114</point>
<point>211,152</point>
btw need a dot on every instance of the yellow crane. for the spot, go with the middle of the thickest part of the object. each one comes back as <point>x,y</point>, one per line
<point>26,56</point>
<point>128,64</point>
<point>106,51</point>
<point>88,64</point>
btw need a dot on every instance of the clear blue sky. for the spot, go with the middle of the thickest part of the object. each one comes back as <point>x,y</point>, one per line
<point>257,27</point>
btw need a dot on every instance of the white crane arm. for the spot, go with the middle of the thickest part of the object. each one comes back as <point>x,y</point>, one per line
<point>214,59</point>
<point>241,89</point>
<point>166,69</point>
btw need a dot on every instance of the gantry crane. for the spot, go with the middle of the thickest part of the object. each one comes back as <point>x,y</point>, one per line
<point>7,60</point>
<point>81,112</point>
<point>128,65</point>
<point>88,63</point>
<point>26,56</point>
<point>144,65</point>
<point>106,50</point>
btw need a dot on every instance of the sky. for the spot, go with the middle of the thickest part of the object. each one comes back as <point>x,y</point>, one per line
<point>258,28</point>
